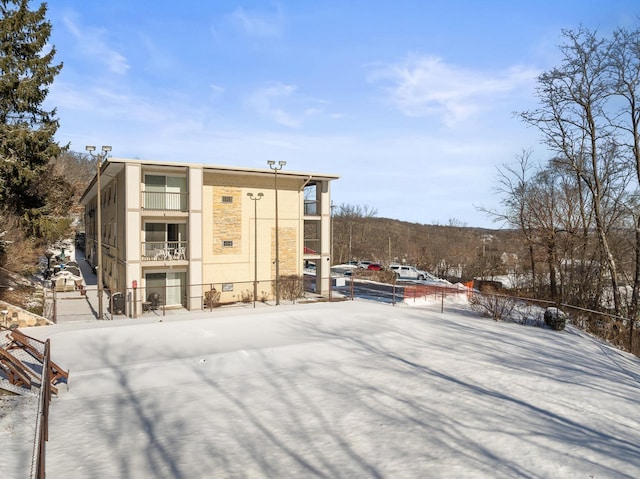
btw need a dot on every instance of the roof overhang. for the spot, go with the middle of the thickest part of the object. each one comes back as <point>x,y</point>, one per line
<point>111,167</point>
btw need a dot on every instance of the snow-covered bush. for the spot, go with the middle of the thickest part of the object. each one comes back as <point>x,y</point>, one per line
<point>528,314</point>
<point>555,319</point>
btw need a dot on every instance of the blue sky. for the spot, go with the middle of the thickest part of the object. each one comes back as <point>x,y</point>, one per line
<point>411,102</point>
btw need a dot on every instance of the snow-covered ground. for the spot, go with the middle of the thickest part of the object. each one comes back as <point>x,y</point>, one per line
<point>351,389</point>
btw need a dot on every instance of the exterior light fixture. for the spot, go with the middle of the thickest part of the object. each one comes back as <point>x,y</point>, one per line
<point>100,157</point>
<point>276,168</point>
<point>255,243</point>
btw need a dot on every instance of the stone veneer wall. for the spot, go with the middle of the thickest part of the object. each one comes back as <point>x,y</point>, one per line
<point>227,220</point>
<point>288,242</point>
<point>11,315</point>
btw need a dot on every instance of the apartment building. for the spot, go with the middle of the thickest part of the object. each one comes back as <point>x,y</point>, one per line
<point>179,230</point>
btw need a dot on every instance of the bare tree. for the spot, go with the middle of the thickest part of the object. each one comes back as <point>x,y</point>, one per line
<point>572,119</point>
<point>513,186</point>
<point>351,231</point>
<point>625,71</point>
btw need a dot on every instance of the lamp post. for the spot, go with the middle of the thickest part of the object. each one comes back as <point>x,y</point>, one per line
<point>276,168</point>
<point>255,243</point>
<point>48,254</point>
<point>100,157</point>
<point>331,252</point>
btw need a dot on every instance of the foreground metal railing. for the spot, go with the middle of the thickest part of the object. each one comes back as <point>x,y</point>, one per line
<point>42,418</point>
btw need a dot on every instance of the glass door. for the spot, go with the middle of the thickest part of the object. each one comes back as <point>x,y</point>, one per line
<point>154,194</point>
<point>168,287</point>
<point>175,288</point>
<point>176,187</point>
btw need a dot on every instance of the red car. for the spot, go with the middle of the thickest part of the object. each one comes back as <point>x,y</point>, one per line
<point>375,266</point>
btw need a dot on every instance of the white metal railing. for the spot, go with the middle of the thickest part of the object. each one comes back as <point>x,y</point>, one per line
<point>164,250</point>
<point>159,201</point>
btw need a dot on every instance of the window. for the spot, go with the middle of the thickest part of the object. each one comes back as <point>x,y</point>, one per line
<point>227,243</point>
<point>227,286</point>
<point>227,199</point>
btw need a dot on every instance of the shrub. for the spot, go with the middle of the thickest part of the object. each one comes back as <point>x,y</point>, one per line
<point>386,276</point>
<point>212,298</point>
<point>495,306</point>
<point>291,287</point>
<point>527,314</point>
<point>246,296</point>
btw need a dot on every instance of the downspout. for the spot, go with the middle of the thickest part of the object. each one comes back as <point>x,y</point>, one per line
<point>306,182</point>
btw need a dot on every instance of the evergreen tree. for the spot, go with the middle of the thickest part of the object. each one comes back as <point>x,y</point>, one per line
<point>26,129</point>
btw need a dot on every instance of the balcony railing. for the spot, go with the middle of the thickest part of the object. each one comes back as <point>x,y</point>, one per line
<point>161,201</point>
<point>164,250</point>
<point>311,207</point>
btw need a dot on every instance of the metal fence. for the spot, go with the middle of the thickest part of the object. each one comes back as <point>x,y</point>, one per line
<point>134,302</point>
<point>432,291</point>
<point>618,331</point>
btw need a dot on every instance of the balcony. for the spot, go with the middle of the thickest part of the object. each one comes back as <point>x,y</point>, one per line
<point>164,251</point>
<point>162,201</point>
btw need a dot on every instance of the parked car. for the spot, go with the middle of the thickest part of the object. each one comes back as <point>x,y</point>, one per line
<point>364,264</point>
<point>374,267</point>
<point>407,272</point>
<point>342,269</point>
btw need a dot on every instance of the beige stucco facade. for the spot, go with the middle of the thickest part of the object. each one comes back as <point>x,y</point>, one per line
<point>180,230</point>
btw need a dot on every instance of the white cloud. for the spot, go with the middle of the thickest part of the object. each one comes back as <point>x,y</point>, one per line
<point>90,41</point>
<point>264,102</point>
<point>216,91</point>
<point>257,24</point>
<point>122,112</point>
<point>426,85</point>
<point>155,57</point>
<point>280,103</point>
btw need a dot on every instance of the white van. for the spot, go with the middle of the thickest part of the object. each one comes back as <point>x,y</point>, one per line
<point>407,272</point>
